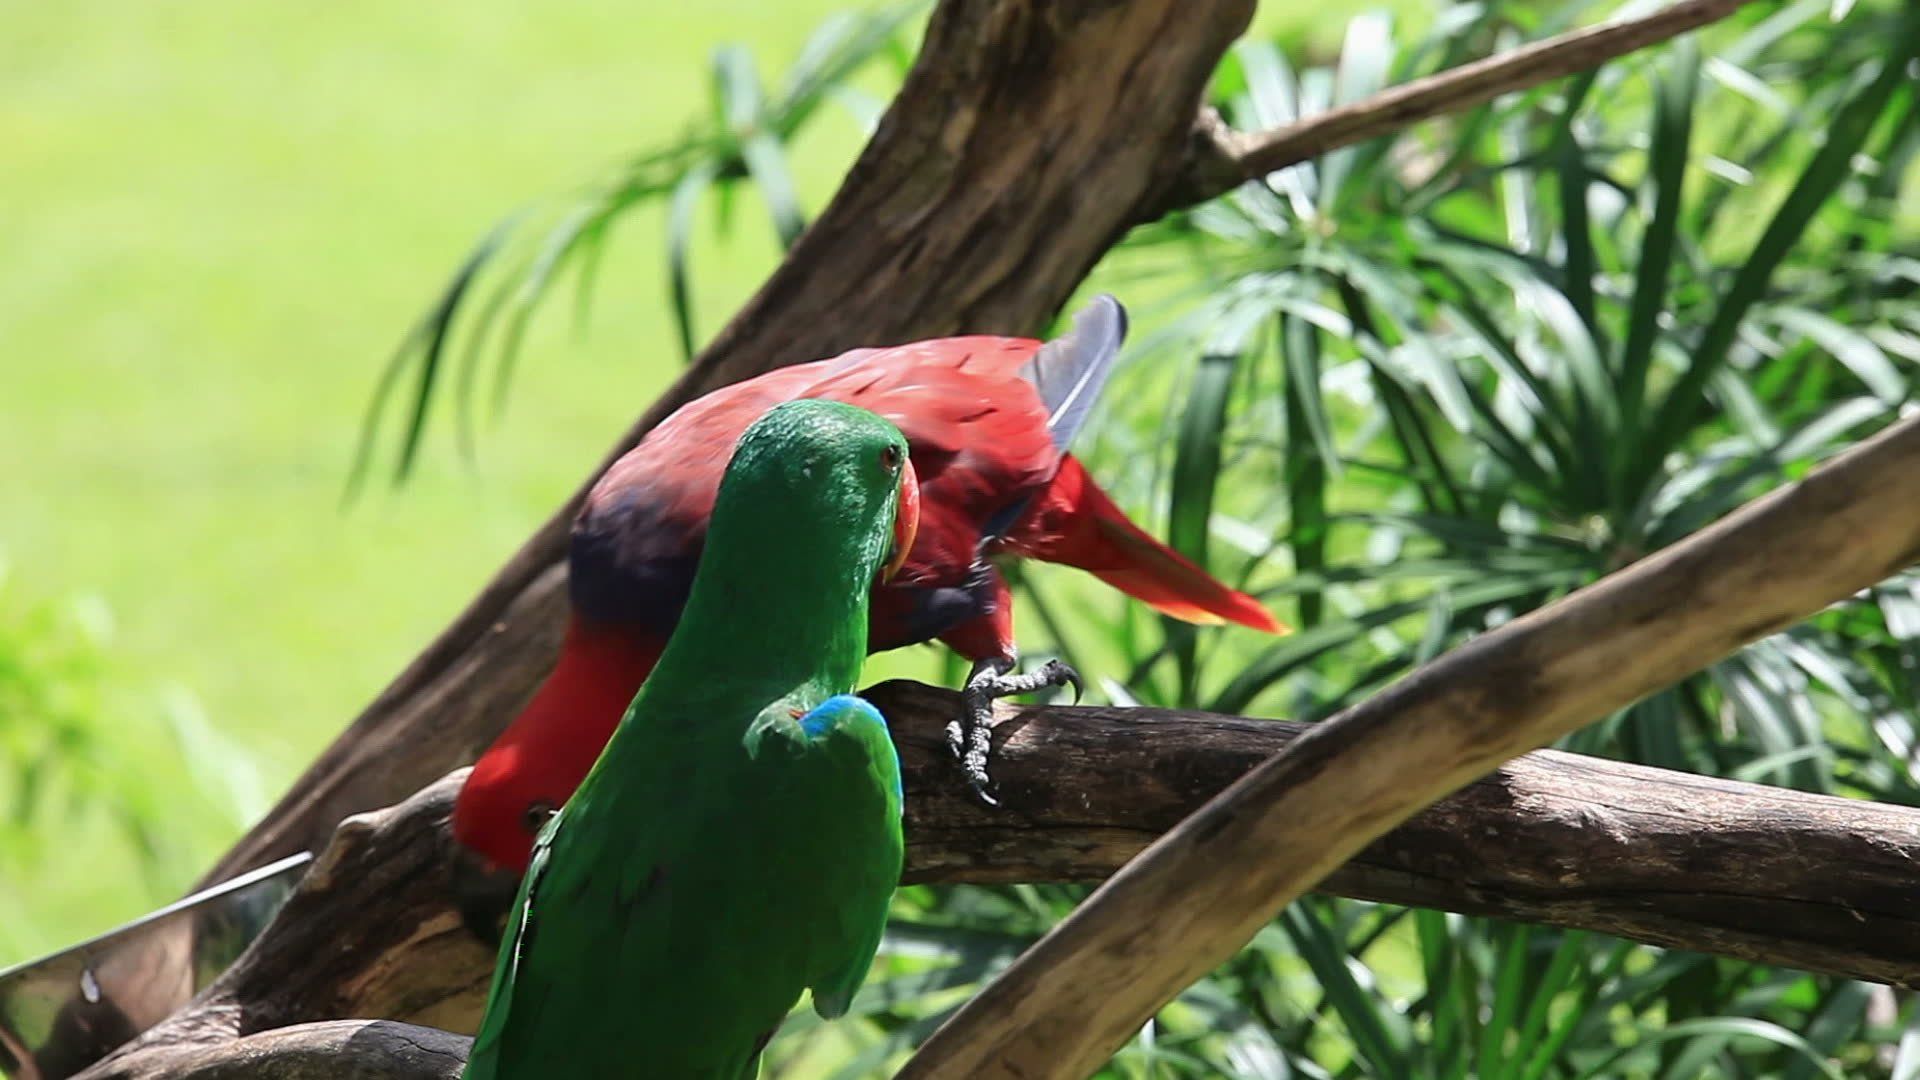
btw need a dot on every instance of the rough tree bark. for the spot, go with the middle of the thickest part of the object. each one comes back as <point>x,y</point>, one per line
<point>1027,139</point>
<point>330,1050</point>
<point>1668,858</point>
<point>1745,870</point>
<point>368,933</point>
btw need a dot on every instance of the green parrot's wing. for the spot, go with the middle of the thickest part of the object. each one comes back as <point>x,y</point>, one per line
<point>863,769</point>
<point>791,841</point>
<point>602,972</point>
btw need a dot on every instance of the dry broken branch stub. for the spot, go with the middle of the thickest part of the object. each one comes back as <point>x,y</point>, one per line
<point>1200,892</point>
<point>1744,870</point>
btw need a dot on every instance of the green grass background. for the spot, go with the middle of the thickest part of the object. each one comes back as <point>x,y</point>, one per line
<point>216,220</point>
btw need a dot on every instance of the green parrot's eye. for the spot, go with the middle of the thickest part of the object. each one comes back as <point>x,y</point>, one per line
<point>535,819</point>
<point>890,457</point>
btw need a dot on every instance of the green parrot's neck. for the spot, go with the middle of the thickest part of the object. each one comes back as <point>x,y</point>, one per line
<point>792,602</point>
<point>778,607</point>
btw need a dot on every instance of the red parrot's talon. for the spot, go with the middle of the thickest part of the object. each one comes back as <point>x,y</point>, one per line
<point>970,737</point>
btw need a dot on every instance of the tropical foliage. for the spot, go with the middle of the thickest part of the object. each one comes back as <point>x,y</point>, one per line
<point>133,778</point>
<point>1422,386</point>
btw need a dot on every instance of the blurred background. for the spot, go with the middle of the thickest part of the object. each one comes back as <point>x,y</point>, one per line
<point>220,223</point>
<point>1417,387</point>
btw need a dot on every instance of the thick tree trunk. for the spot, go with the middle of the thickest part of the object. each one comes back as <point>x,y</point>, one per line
<point>1028,137</point>
<point>1744,870</point>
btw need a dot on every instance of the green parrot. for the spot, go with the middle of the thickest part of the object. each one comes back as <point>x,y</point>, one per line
<point>739,838</point>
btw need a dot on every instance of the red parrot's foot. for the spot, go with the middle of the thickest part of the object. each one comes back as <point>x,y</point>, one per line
<point>970,735</point>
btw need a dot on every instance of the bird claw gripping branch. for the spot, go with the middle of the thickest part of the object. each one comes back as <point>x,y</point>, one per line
<point>970,735</point>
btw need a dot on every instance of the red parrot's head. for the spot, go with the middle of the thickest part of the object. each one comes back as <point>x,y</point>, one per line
<point>533,767</point>
<point>495,818</point>
<point>906,521</point>
<point>503,806</point>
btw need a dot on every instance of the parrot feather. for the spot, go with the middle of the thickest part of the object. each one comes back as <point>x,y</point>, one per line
<point>1071,370</point>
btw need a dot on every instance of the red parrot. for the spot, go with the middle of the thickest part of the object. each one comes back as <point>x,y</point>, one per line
<point>987,422</point>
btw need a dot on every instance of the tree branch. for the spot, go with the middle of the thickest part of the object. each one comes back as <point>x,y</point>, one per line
<point>1223,158</point>
<point>1669,858</point>
<point>1744,870</point>
<point>334,1050</point>
<point>368,932</point>
<point>1200,892</point>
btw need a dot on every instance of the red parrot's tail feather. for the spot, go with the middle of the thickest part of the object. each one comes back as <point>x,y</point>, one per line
<point>1167,582</point>
<point>1074,523</point>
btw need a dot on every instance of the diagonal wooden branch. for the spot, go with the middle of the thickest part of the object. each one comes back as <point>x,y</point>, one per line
<point>1224,158</point>
<point>1777,877</point>
<point>1201,891</point>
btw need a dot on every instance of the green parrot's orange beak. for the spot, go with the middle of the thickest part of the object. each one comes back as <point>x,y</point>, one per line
<point>906,522</point>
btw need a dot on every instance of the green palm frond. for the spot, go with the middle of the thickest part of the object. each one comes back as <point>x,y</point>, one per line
<point>745,138</point>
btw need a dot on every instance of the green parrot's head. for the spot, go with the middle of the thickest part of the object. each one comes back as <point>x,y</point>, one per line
<point>826,479</point>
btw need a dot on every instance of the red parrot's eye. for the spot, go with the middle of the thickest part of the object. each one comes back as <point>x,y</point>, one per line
<point>890,457</point>
<point>535,818</point>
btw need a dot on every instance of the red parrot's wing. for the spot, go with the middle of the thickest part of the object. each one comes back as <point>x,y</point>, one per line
<point>976,429</point>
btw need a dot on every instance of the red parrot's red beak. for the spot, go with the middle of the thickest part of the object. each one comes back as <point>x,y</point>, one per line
<point>906,522</point>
